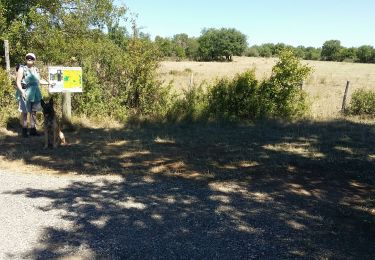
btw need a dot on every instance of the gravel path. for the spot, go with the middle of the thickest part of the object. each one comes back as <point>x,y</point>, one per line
<point>24,219</point>
<point>156,217</point>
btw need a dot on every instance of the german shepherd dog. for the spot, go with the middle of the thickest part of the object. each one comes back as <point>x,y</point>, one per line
<point>52,133</point>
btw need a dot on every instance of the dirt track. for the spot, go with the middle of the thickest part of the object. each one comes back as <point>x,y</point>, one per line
<point>47,216</point>
<point>191,192</point>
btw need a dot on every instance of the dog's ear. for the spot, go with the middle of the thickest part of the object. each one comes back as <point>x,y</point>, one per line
<point>42,103</point>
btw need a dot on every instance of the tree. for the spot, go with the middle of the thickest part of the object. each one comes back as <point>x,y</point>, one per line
<point>266,50</point>
<point>299,52</point>
<point>253,51</point>
<point>164,45</point>
<point>312,53</point>
<point>331,50</point>
<point>180,44</point>
<point>192,48</point>
<point>366,54</point>
<point>217,43</point>
<point>349,54</point>
<point>279,47</point>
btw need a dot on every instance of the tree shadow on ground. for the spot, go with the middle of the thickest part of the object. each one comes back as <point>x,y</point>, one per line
<point>270,190</point>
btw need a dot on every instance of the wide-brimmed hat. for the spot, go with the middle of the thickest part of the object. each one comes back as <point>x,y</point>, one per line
<point>31,55</point>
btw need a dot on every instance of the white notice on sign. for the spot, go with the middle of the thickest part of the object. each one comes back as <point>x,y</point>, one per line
<point>65,79</point>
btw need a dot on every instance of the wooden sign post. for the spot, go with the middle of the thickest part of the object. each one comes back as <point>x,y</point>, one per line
<point>65,80</point>
<point>67,108</point>
<point>7,61</point>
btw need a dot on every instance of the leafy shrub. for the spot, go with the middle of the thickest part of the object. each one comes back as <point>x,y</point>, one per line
<point>281,94</point>
<point>7,98</point>
<point>252,52</point>
<point>244,98</point>
<point>234,99</point>
<point>362,103</point>
<point>192,106</point>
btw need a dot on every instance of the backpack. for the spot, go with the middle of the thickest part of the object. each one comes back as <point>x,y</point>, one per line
<point>18,66</point>
<point>25,69</point>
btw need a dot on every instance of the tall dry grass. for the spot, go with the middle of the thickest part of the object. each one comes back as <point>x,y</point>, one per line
<point>325,86</point>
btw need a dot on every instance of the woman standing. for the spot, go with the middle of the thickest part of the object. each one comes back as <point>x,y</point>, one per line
<point>28,93</point>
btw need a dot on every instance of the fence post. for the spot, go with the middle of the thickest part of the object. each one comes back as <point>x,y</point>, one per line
<point>67,108</point>
<point>343,107</point>
<point>7,61</point>
<point>191,79</point>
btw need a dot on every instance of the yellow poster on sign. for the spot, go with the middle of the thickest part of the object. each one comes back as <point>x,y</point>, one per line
<point>72,79</point>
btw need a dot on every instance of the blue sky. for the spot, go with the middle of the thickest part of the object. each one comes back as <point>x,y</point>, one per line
<point>295,22</point>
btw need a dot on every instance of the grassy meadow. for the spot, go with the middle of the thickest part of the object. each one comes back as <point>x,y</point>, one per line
<point>326,85</point>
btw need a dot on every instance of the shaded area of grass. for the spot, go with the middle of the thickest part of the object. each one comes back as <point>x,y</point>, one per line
<point>213,191</point>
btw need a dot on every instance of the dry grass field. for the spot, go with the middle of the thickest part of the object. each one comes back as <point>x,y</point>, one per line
<point>326,85</point>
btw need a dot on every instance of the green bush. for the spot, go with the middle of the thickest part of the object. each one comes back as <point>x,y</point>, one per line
<point>7,98</point>
<point>362,103</point>
<point>234,99</point>
<point>192,106</point>
<point>244,98</point>
<point>281,94</point>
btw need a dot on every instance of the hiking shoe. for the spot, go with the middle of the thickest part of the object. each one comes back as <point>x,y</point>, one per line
<point>33,132</point>
<point>24,132</point>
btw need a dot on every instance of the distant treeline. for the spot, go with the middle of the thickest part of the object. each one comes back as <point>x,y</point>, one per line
<point>330,51</point>
<point>217,44</point>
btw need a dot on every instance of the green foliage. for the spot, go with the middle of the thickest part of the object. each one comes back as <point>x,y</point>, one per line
<point>265,51</point>
<point>312,53</point>
<point>214,44</point>
<point>211,46</point>
<point>118,71</point>
<point>349,54</point>
<point>192,49</point>
<point>281,93</point>
<point>366,54</point>
<point>244,98</point>
<point>252,52</point>
<point>7,98</point>
<point>273,50</point>
<point>235,99</point>
<point>192,106</point>
<point>179,47</point>
<point>141,91</point>
<point>299,52</point>
<point>362,103</point>
<point>331,51</point>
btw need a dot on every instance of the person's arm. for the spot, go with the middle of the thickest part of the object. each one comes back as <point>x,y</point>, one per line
<point>19,84</point>
<point>46,83</point>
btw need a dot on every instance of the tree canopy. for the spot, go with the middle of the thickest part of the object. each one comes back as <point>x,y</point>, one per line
<point>217,43</point>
